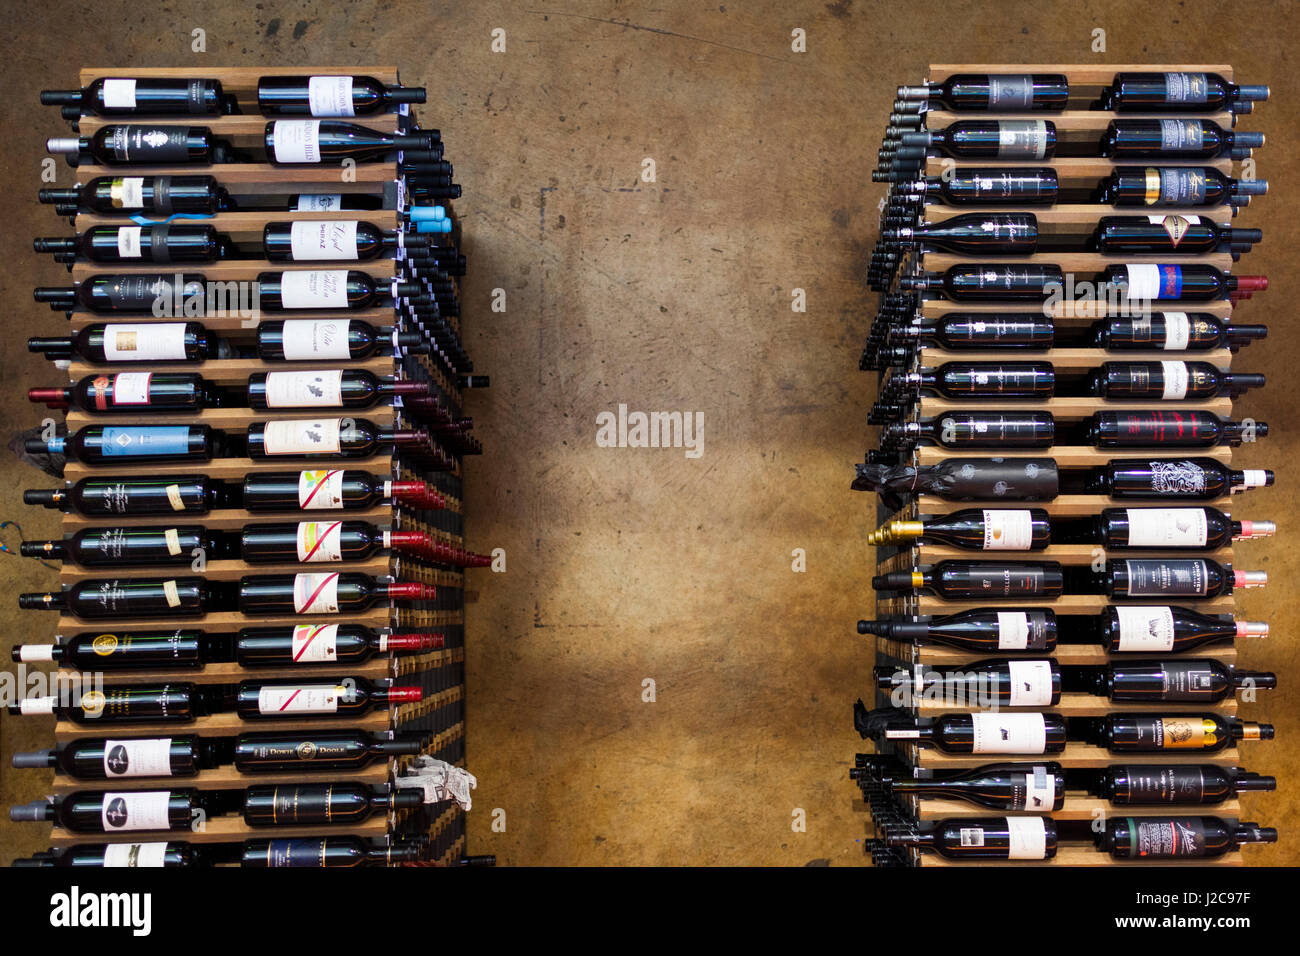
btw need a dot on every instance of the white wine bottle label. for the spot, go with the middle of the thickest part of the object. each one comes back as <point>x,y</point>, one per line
<point>323,240</point>
<point>314,289</point>
<point>1009,733</point>
<point>1031,683</point>
<point>1022,139</point>
<point>297,141</point>
<point>1167,527</point>
<point>1186,88</point>
<point>1174,226</point>
<point>1040,790</point>
<point>138,758</point>
<point>1176,376</point>
<point>316,593</point>
<point>173,539</point>
<point>321,490</point>
<point>1143,281</point>
<point>1178,331</point>
<point>135,811</point>
<point>135,854</point>
<point>131,388</point>
<point>1161,577</point>
<point>1028,838</point>
<point>119,94</point>
<point>1008,529</point>
<point>318,202</point>
<point>145,342</point>
<point>304,389</point>
<point>307,339</point>
<point>972,836</point>
<point>330,96</point>
<point>302,436</point>
<point>315,643</point>
<point>320,541</point>
<point>1145,629</point>
<point>1013,630</point>
<point>1181,135</point>
<point>128,241</point>
<point>309,699</point>
<point>127,192</point>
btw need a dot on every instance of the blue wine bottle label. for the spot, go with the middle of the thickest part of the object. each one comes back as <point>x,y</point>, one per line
<point>1178,136</point>
<point>1014,91</point>
<point>1179,187</point>
<point>1186,88</point>
<point>295,852</point>
<point>146,440</point>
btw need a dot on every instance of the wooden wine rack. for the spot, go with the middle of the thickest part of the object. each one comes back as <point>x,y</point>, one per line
<point>439,717</point>
<point>1076,127</point>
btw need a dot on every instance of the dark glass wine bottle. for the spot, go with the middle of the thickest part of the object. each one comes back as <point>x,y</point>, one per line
<point>987,684</point>
<point>988,282</point>
<point>303,752</point>
<point>1035,788</point>
<point>1173,331</point>
<point>323,541</point>
<point>142,293</point>
<point>1151,785</point>
<point>142,96</point>
<point>347,697</point>
<point>981,380</point>
<point>147,195</point>
<point>1164,235</point>
<point>160,243</point>
<point>294,142</point>
<point>1180,429</point>
<point>1182,186</point>
<point>980,429</point>
<point>341,851</point>
<point>989,185</point>
<point>978,630</point>
<point>1196,479</point>
<point>978,529</point>
<point>981,139</point>
<point>323,593</point>
<point>980,331</point>
<point>330,95</point>
<point>1173,139</point>
<point>308,804</point>
<point>990,732</point>
<point>1174,282</point>
<point>130,495</point>
<point>128,650</point>
<point>332,240</point>
<point>95,598</point>
<point>1129,629</point>
<point>90,758</point>
<point>114,855</point>
<point>143,342</point>
<point>982,838</point>
<point>131,392</point>
<point>92,811</point>
<point>1134,92</point>
<point>1185,681</point>
<point>1178,838</point>
<point>1175,577</point>
<point>993,92</point>
<point>128,444</point>
<point>324,438</point>
<point>332,489</point>
<point>327,289</point>
<point>311,340</point>
<point>1159,733</point>
<point>973,234</point>
<point>979,580</point>
<point>967,479</point>
<point>327,388</point>
<point>1193,528</point>
<point>128,546</point>
<point>139,145</point>
<point>144,703</point>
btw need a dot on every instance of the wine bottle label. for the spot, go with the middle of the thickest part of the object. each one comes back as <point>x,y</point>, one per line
<point>1175,376</point>
<point>318,202</point>
<point>150,144</point>
<point>1167,527</point>
<point>304,389</point>
<point>316,593</point>
<point>330,96</point>
<point>171,594</point>
<point>1010,91</point>
<point>1147,281</point>
<point>320,541</point>
<point>146,440</point>
<point>1031,683</point>
<point>31,653</point>
<point>1186,88</point>
<point>1145,629</point>
<point>174,497</point>
<point>135,811</point>
<point>310,699</point>
<point>1174,226</point>
<point>295,853</point>
<point>315,643</point>
<point>129,388</point>
<point>135,854</point>
<point>1022,139</point>
<point>297,141</point>
<point>145,342</point>
<point>302,436</point>
<point>1008,581</point>
<point>127,192</point>
<point>996,733</point>
<point>138,758</point>
<point>1013,631</point>
<point>306,339</point>
<point>1157,784</point>
<point>314,289</point>
<point>1178,331</point>
<point>1037,792</point>
<point>1174,733</point>
<point>128,241</point>
<point>972,836</point>
<point>320,490</point>
<point>173,539</point>
<point>1008,529</point>
<point>1175,186</point>
<point>1187,681</point>
<point>142,293</point>
<point>1157,578</point>
<point>119,94</point>
<point>1177,478</point>
<point>323,240</point>
<point>1028,838</point>
<point>1166,839</point>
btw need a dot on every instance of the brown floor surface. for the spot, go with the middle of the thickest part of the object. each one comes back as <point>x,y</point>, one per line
<point>634,564</point>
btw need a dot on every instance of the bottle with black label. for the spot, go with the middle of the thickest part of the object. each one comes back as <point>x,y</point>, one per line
<point>993,92</point>
<point>1196,680</point>
<point>139,145</point>
<point>1181,92</point>
<point>128,650</point>
<point>987,282</point>
<point>1173,332</point>
<point>966,479</point>
<point>144,703</point>
<point>1170,234</point>
<point>1142,629</point>
<point>978,630</point>
<point>1182,186</point>
<point>325,752</point>
<point>129,495</point>
<point>1034,788</point>
<point>979,331</point>
<point>975,580</point>
<point>987,185</point>
<point>331,852</point>
<point>1152,785</point>
<point>336,804</point>
<point>144,293</point>
<point>982,838</point>
<point>1178,838</point>
<point>973,234</point>
<point>1195,479</point>
<point>983,139</point>
<point>978,429</point>
<point>978,380</point>
<point>1169,428</point>
<point>1173,139</point>
<point>127,546</point>
<point>1163,733</point>
<point>986,684</point>
<point>1173,578</point>
<point>133,245</point>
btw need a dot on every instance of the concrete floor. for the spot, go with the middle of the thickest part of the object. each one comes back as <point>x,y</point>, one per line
<point>628,565</point>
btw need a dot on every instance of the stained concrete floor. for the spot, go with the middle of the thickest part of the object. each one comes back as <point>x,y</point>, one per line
<point>627,565</point>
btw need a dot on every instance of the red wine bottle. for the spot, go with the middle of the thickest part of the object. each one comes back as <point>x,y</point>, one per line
<point>980,380</point>
<point>129,495</point>
<point>323,593</point>
<point>324,541</point>
<point>982,838</point>
<point>988,185</point>
<point>347,697</point>
<point>128,444</point>
<point>985,733</point>
<point>1184,681</point>
<point>128,546</point>
<point>294,142</point>
<point>147,195</point>
<point>1134,92</point>
<point>327,388</point>
<point>330,95</point>
<point>1193,528</point>
<point>1182,186</point>
<point>980,139</point>
<point>980,330</point>
<point>311,752</point>
<point>1153,785</point>
<point>1180,429</point>
<point>340,851</point>
<point>143,703</point>
<point>973,234</point>
<point>1178,838</point>
<point>1174,282</point>
<point>131,392</point>
<point>966,479</point>
<point>987,282</point>
<point>313,340</point>
<point>91,758</point>
<point>160,243</point>
<point>1158,733</point>
<point>93,811</point>
<point>128,293</point>
<point>977,529</point>
<point>979,429</point>
<point>333,240</point>
<point>1173,139</point>
<point>989,684</point>
<point>1173,331</point>
<point>95,598</point>
<point>325,438</point>
<point>332,489</point>
<point>1034,788</point>
<point>1168,381</point>
<point>139,145</point>
<point>308,804</point>
<point>1174,577</point>
<point>141,96</point>
<point>1196,479</point>
<point>328,289</point>
<point>1128,629</point>
<point>129,650</point>
<point>978,580</point>
<point>143,342</point>
<point>113,855</point>
<point>993,92</point>
<point>1162,235</point>
<point>978,630</point>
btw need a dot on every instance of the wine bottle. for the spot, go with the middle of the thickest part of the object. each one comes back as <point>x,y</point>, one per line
<point>1157,733</point>
<point>332,489</point>
<point>324,438</point>
<point>323,541</point>
<point>1183,186</point>
<point>327,388</point>
<point>981,429</point>
<point>322,593</point>
<point>160,243</point>
<point>974,234</point>
<point>313,752</point>
<point>330,95</point>
<point>1202,479</point>
<point>1173,139</point>
<point>143,703</point>
<point>979,580</point>
<point>293,142</point>
<point>143,342</point>
<point>113,855</point>
<point>978,630</point>
<point>982,838</point>
<point>1195,528</point>
<point>1169,577</point>
<point>128,495</point>
<point>1163,235</point>
<point>125,444</point>
<point>1181,429</point>
<point>128,546</point>
<point>306,340</point>
<point>985,282</point>
<point>141,96</point>
<point>1168,381</point>
<point>94,598</point>
<point>341,851</point>
<point>131,392</point>
<point>307,804</point>
<point>334,240</point>
<point>1151,785</point>
<point>991,185</point>
<point>1173,331</point>
<point>985,733</point>
<point>91,758</point>
<point>147,195</point>
<point>129,650</point>
<point>980,331</point>
<point>993,92</point>
<point>987,684</point>
<point>92,811</point>
<point>139,145</point>
<point>975,529</point>
<point>349,697</point>
<point>130,293</point>
<point>1035,788</point>
<point>1178,838</point>
<point>1134,92</point>
<point>966,479</point>
<point>1128,629</point>
<point>1194,680</point>
<point>980,380</point>
<point>979,139</point>
<point>327,289</point>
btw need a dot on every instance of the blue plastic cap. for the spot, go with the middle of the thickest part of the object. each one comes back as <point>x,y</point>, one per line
<point>427,213</point>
